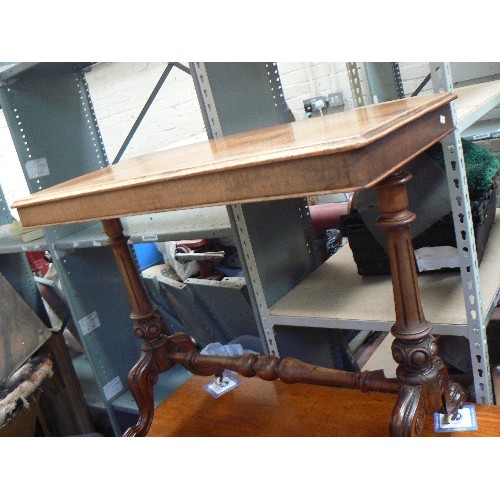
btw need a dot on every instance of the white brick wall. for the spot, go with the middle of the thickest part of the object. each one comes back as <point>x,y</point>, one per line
<point>11,175</point>
<point>119,92</point>
<point>302,81</point>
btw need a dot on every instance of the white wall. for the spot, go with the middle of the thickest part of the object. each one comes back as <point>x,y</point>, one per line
<point>119,92</point>
<point>11,175</point>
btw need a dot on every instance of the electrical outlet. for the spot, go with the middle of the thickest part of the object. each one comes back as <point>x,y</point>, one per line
<point>335,99</point>
<point>315,104</point>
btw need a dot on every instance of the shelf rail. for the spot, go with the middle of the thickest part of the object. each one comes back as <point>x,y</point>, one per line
<point>464,233</point>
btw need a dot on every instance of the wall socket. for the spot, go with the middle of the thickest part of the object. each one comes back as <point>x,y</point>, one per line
<point>335,99</point>
<point>320,104</point>
<point>315,104</point>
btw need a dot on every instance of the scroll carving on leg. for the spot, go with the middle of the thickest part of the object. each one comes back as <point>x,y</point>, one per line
<point>160,351</point>
<point>148,326</point>
<point>425,385</point>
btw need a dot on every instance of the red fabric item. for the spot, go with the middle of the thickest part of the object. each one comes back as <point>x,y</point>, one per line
<point>38,263</point>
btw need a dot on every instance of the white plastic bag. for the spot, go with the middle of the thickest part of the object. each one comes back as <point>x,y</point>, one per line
<point>183,269</point>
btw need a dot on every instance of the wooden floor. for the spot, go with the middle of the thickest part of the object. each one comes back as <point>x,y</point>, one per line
<point>263,409</point>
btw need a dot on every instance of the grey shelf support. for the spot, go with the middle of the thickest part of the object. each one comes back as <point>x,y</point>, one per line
<point>373,82</point>
<point>143,112</point>
<point>14,266</point>
<point>384,81</point>
<point>55,132</point>
<point>464,233</point>
<point>235,97</point>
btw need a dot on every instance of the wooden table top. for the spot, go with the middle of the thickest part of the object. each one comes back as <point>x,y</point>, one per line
<point>340,152</point>
<point>260,408</point>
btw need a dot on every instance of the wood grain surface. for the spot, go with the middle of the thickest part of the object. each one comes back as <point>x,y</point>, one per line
<point>259,408</point>
<point>333,153</point>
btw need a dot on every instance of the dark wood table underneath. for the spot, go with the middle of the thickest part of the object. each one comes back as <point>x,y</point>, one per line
<point>264,409</point>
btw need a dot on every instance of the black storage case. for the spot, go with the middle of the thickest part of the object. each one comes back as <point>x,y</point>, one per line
<point>371,259</point>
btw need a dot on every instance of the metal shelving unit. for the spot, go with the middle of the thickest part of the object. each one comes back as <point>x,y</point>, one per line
<point>276,242</point>
<point>300,303</point>
<point>455,303</point>
<point>197,223</point>
<point>54,129</point>
<point>473,103</point>
<point>14,265</point>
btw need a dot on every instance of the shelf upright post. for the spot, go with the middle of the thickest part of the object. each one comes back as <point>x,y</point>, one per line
<point>466,245</point>
<point>235,97</point>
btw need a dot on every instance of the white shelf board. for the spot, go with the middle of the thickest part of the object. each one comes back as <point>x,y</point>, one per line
<point>336,296</point>
<point>474,101</point>
<point>197,223</point>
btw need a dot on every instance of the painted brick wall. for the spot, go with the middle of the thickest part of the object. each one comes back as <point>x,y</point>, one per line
<point>119,92</point>
<point>11,175</point>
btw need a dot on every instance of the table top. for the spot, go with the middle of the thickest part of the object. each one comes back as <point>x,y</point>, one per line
<point>340,152</point>
<point>259,408</point>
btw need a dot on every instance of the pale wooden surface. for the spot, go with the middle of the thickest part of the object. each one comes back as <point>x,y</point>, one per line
<point>369,298</point>
<point>263,409</point>
<point>339,152</point>
<point>472,98</point>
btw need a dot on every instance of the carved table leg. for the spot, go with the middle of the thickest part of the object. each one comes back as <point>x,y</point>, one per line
<point>148,326</point>
<point>425,386</point>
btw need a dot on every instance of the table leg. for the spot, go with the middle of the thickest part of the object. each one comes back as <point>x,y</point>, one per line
<point>425,386</point>
<point>148,326</point>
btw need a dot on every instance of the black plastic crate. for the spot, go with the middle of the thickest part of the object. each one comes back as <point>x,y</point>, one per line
<point>371,259</point>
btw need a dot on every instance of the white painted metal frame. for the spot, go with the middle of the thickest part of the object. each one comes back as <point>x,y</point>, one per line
<point>464,232</point>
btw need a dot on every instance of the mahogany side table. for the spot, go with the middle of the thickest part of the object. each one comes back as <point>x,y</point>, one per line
<point>342,152</point>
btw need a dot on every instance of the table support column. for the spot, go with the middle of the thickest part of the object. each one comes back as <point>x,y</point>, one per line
<point>148,326</point>
<point>425,385</point>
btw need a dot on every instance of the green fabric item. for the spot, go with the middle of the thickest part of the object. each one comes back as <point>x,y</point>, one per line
<point>481,165</point>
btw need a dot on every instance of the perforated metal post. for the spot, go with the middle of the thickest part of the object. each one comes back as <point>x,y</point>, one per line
<point>355,80</point>
<point>466,245</point>
<point>56,135</point>
<point>236,215</point>
<point>257,101</point>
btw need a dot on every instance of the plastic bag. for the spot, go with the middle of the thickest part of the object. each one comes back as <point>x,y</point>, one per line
<point>184,270</point>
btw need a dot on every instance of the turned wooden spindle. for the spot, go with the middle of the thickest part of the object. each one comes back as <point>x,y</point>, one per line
<point>148,326</point>
<point>160,352</point>
<point>425,387</point>
<point>422,380</point>
<point>268,367</point>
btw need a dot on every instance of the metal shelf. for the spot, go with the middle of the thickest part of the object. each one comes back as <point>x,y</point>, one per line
<point>168,382</point>
<point>487,129</point>
<point>199,223</point>
<point>14,244</point>
<point>336,296</point>
<point>10,70</point>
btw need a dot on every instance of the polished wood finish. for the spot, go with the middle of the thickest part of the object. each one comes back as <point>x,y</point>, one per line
<point>425,387</point>
<point>148,326</point>
<point>267,409</point>
<point>267,367</point>
<point>340,152</point>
